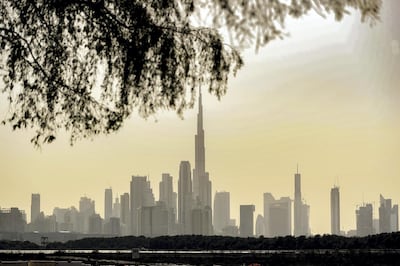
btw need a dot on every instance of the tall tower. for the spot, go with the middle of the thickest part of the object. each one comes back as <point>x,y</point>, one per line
<point>141,196</point>
<point>125,214</point>
<point>168,197</point>
<point>35,207</point>
<point>246,220</point>
<point>222,214</point>
<point>335,211</point>
<point>277,216</point>
<point>108,198</point>
<point>297,204</point>
<point>201,180</point>
<point>185,198</point>
<point>167,193</point>
<point>364,220</point>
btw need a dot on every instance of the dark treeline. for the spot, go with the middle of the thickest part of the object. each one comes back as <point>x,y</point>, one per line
<point>6,244</point>
<point>194,242</point>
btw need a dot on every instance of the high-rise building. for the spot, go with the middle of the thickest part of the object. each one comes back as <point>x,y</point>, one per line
<point>201,220</point>
<point>116,211</point>
<point>86,205</point>
<point>277,216</point>
<point>268,199</point>
<point>201,182</point>
<point>168,197</point>
<point>95,224</point>
<point>153,221</point>
<point>222,214</point>
<point>35,207</point>
<point>12,220</point>
<point>108,204</point>
<point>86,210</point>
<point>125,214</point>
<point>63,219</point>
<point>141,196</point>
<point>201,179</point>
<point>335,211</point>
<point>115,226</point>
<point>297,204</point>
<point>301,210</point>
<point>305,219</point>
<point>185,198</point>
<point>364,220</point>
<point>246,228</point>
<point>260,225</point>
<point>388,216</point>
<point>394,220</point>
<point>167,194</point>
<point>385,212</point>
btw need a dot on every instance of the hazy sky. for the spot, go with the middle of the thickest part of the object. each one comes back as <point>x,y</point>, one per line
<point>327,98</point>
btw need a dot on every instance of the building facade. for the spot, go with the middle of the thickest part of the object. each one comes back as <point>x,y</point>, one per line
<point>201,180</point>
<point>277,216</point>
<point>141,196</point>
<point>335,211</point>
<point>246,228</point>
<point>222,214</point>
<point>108,204</point>
<point>125,214</point>
<point>364,220</point>
<point>185,198</point>
<point>35,207</point>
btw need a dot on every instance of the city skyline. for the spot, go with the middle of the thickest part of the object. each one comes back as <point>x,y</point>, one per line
<point>193,203</point>
<point>328,127</point>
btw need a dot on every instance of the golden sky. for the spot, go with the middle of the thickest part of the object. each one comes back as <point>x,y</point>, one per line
<point>327,98</point>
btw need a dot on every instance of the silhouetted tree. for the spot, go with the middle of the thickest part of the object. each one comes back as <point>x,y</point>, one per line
<point>85,65</point>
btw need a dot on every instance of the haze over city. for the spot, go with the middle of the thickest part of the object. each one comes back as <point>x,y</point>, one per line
<point>326,98</point>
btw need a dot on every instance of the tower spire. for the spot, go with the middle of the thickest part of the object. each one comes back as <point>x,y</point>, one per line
<point>200,114</point>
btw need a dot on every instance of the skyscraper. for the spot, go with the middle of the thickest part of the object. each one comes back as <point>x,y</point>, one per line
<point>260,225</point>
<point>167,194</point>
<point>385,211</point>
<point>297,204</point>
<point>35,207</point>
<point>246,228</point>
<point>125,214</point>
<point>86,210</point>
<point>301,210</point>
<point>153,221</point>
<point>168,198</point>
<point>305,219</point>
<point>185,198</point>
<point>277,216</point>
<point>394,220</point>
<point>388,216</point>
<point>116,211</point>
<point>141,196</point>
<point>268,199</point>
<point>201,180</point>
<point>364,220</point>
<point>335,211</point>
<point>221,211</point>
<point>108,204</point>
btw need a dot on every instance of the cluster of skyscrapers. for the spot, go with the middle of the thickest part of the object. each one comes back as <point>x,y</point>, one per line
<point>189,210</point>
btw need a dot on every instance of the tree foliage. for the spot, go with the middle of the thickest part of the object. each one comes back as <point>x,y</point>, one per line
<point>85,65</point>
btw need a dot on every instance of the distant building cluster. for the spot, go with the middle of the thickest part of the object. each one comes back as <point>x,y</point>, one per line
<point>187,211</point>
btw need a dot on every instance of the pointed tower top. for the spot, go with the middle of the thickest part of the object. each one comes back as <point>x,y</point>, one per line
<point>200,114</point>
<point>200,100</point>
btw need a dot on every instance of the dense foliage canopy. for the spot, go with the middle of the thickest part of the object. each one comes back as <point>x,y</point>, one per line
<point>85,65</point>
